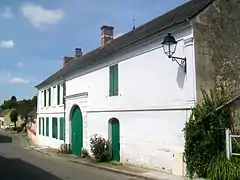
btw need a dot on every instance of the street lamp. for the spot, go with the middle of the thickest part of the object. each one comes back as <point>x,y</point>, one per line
<point>169,46</point>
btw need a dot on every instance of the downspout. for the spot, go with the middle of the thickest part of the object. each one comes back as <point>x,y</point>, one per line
<point>64,107</point>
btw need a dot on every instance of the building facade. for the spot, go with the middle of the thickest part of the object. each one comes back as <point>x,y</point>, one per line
<point>130,92</point>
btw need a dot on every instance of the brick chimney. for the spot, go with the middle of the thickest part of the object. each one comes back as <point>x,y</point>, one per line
<point>106,35</point>
<point>78,52</point>
<point>66,60</point>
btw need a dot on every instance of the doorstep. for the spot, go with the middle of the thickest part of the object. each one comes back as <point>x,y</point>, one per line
<point>119,168</point>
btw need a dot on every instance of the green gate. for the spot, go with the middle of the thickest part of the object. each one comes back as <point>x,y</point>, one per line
<point>114,138</point>
<point>77,131</point>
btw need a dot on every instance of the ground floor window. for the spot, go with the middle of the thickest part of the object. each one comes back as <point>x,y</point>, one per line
<point>39,125</point>
<point>62,128</point>
<point>43,127</point>
<point>47,126</point>
<point>54,127</point>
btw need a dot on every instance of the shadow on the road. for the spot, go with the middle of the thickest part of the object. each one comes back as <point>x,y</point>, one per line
<point>16,169</point>
<point>5,139</point>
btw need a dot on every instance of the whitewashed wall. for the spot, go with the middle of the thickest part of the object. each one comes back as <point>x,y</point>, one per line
<point>50,111</point>
<point>154,89</point>
<point>48,140</point>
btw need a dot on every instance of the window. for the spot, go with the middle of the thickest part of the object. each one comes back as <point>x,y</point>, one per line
<point>53,96</point>
<point>54,128</point>
<point>47,126</point>
<point>62,94</point>
<point>49,97</point>
<point>113,80</point>
<point>58,94</point>
<point>43,127</point>
<point>42,99</point>
<point>62,128</point>
<point>45,98</point>
<point>39,125</point>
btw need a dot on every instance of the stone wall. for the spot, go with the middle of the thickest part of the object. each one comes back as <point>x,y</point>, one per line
<point>217,46</point>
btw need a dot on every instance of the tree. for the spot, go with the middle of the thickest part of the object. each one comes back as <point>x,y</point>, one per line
<point>14,117</point>
<point>13,99</point>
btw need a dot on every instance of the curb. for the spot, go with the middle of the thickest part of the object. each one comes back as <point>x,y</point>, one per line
<point>130,174</point>
<point>116,170</point>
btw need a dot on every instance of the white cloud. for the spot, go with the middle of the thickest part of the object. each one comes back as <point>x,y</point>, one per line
<point>20,65</point>
<point>39,16</point>
<point>7,44</point>
<point>18,80</point>
<point>7,13</point>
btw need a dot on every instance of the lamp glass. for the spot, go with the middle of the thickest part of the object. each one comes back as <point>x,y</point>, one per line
<point>169,45</point>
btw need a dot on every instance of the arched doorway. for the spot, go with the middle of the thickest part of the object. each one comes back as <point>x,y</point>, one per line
<point>114,138</point>
<point>76,131</point>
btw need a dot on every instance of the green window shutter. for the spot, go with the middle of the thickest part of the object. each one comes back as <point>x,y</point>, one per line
<point>47,126</point>
<point>43,129</point>
<point>54,128</point>
<point>45,98</point>
<point>115,80</point>
<point>39,125</point>
<point>49,97</point>
<point>111,81</point>
<point>62,128</point>
<point>58,94</point>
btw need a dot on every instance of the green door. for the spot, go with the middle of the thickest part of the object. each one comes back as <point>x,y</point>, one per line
<point>114,137</point>
<point>77,131</point>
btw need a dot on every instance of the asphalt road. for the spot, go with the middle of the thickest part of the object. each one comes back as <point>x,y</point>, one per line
<point>17,163</point>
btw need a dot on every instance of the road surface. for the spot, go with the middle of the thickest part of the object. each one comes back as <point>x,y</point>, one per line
<point>17,163</point>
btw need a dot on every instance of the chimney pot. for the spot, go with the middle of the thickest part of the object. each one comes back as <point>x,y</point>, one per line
<point>107,34</point>
<point>66,60</point>
<point>78,52</point>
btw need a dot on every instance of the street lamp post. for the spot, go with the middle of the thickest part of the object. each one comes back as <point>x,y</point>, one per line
<point>169,46</point>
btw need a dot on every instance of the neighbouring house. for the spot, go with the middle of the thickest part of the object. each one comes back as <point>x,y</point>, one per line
<point>32,125</point>
<point>3,116</point>
<point>6,121</point>
<point>129,91</point>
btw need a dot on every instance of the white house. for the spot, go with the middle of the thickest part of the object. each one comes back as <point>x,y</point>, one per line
<point>127,90</point>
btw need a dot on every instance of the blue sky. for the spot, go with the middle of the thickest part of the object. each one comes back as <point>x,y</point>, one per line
<point>36,34</point>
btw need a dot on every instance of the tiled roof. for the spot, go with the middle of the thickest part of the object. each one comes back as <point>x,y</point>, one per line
<point>174,17</point>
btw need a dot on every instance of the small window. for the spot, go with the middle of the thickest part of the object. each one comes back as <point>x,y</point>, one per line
<point>54,128</point>
<point>45,98</point>
<point>113,80</point>
<point>58,94</point>
<point>39,125</point>
<point>62,128</point>
<point>49,97</point>
<point>43,127</point>
<point>47,126</point>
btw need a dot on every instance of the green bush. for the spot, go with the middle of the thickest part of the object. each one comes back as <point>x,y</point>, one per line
<point>205,132</point>
<point>101,148</point>
<point>224,169</point>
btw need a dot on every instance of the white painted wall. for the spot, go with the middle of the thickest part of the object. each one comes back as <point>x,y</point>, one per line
<point>147,80</point>
<point>48,140</point>
<point>50,111</point>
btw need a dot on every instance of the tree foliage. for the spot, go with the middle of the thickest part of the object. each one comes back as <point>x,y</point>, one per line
<point>205,132</point>
<point>14,116</point>
<point>23,107</point>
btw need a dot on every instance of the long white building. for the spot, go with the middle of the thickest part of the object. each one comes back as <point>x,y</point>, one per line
<point>129,91</point>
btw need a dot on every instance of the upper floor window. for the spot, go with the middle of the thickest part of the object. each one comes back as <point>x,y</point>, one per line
<point>54,96</point>
<point>113,80</point>
<point>45,98</point>
<point>49,97</point>
<point>58,94</point>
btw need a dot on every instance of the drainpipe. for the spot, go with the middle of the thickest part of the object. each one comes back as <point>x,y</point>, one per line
<point>64,107</point>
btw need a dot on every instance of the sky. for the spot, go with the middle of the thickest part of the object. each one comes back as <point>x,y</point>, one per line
<point>36,34</point>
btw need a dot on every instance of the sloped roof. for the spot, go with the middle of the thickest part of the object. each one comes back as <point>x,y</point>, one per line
<point>174,17</point>
<point>4,112</point>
